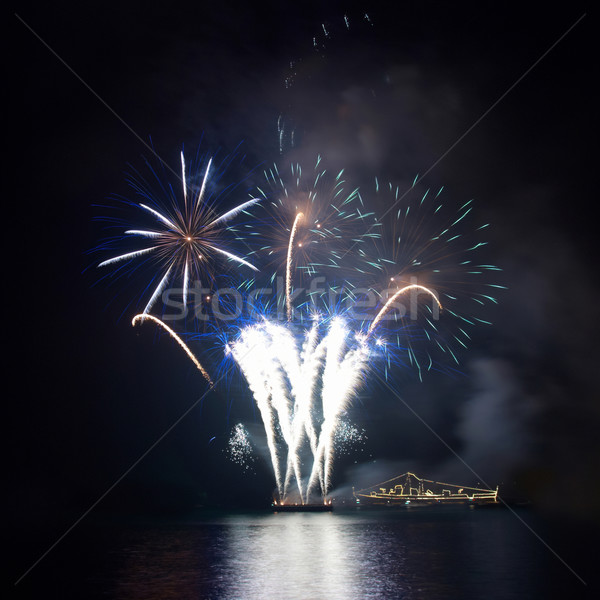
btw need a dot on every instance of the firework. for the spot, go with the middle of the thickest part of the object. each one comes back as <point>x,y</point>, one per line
<point>348,436</point>
<point>302,389</point>
<point>432,254</point>
<point>389,304</point>
<point>304,371</point>
<point>288,269</point>
<point>183,239</point>
<point>141,318</point>
<point>310,220</point>
<point>239,447</point>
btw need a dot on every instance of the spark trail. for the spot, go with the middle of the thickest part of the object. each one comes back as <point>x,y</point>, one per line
<point>288,267</point>
<point>389,304</point>
<point>142,317</point>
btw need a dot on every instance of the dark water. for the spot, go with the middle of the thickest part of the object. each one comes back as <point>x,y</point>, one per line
<point>408,554</point>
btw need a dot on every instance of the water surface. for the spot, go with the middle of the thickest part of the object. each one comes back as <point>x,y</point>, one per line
<point>404,554</point>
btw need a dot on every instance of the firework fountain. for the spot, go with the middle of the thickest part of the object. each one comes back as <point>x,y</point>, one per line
<point>301,389</point>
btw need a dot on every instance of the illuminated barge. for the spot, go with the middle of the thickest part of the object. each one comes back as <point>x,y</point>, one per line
<point>409,490</point>
<point>321,507</point>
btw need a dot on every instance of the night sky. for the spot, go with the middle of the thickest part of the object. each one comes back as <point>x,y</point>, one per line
<point>87,395</point>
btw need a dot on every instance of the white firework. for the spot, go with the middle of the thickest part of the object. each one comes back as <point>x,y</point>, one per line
<point>184,238</point>
<point>301,390</point>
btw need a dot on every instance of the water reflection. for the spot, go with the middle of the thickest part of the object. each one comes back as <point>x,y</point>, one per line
<point>335,555</point>
<point>310,555</point>
<point>294,556</point>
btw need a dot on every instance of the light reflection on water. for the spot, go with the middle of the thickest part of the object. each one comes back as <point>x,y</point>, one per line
<point>303,556</point>
<point>330,555</point>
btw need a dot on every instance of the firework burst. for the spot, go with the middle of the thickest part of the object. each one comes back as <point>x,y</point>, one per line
<point>185,235</point>
<point>312,219</point>
<point>428,268</point>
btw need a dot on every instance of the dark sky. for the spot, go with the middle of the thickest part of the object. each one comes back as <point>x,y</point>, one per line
<point>386,98</point>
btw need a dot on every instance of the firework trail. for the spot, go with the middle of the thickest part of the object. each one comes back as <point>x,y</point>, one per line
<point>183,239</point>
<point>389,304</point>
<point>342,374</point>
<point>142,317</point>
<point>288,269</point>
<point>258,373</point>
<point>303,377</point>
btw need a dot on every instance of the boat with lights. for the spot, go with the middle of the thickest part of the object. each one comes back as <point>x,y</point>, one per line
<point>320,507</point>
<point>409,490</point>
